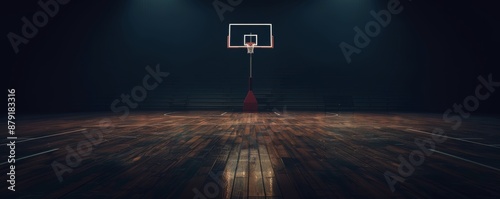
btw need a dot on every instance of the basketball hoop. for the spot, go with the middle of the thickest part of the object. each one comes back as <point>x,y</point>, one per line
<point>242,35</point>
<point>250,47</point>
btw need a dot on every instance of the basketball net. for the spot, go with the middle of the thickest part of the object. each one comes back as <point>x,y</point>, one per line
<point>250,47</point>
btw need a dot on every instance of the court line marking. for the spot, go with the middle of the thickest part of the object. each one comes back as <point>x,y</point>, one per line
<point>63,133</point>
<point>453,156</point>
<point>336,114</point>
<point>36,154</point>
<point>453,138</point>
<point>223,113</point>
<point>276,113</point>
<point>36,138</point>
<point>169,113</point>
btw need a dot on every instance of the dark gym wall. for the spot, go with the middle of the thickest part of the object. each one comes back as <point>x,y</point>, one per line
<point>92,51</point>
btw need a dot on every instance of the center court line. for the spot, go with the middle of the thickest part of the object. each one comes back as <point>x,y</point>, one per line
<point>478,143</point>
<point>36,138</point>
<point>477,163</point>
<point>223,113</point>
<point>277,113</point>
<point>36,154</point>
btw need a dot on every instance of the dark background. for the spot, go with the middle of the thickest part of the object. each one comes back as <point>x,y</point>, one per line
<point>92,51</point>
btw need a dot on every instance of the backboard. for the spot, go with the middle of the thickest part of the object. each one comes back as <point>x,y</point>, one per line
<point>260,34</point>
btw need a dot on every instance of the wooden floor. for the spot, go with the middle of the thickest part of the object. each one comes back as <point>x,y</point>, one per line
<point>214,154</point>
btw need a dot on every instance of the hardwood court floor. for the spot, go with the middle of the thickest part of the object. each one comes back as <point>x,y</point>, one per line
<point>210,154</point>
